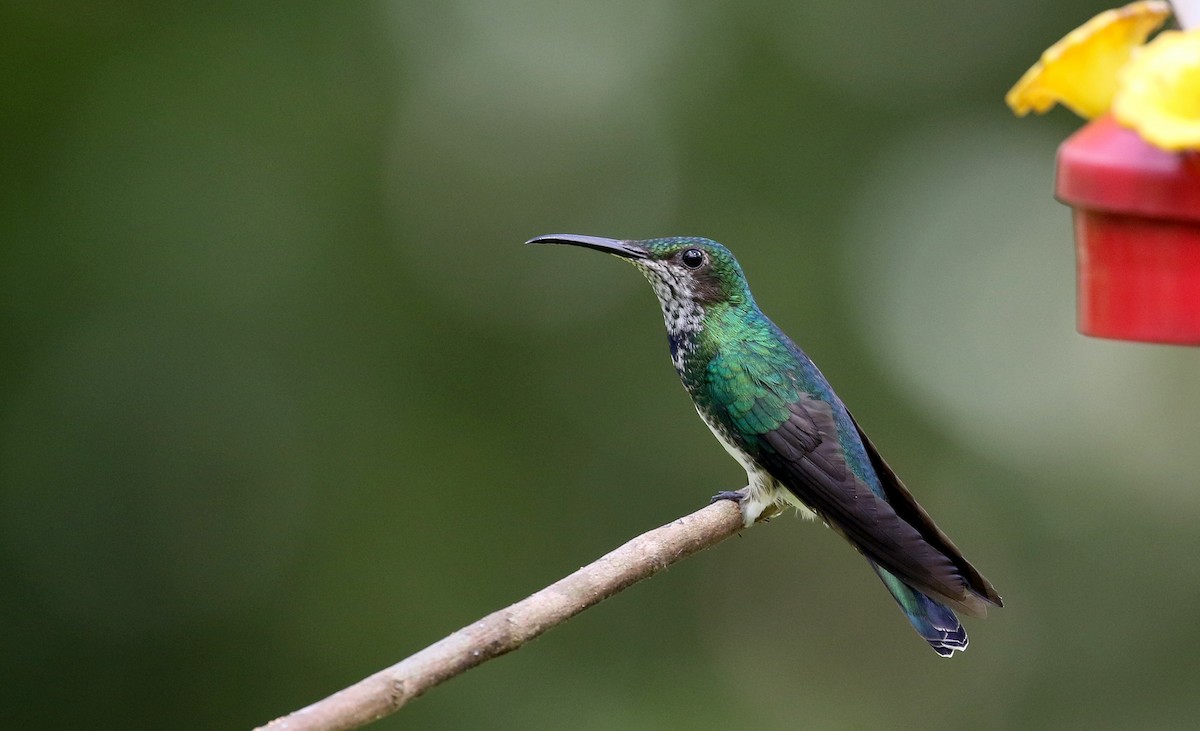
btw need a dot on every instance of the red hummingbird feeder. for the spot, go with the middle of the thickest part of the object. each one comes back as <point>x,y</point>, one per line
<point>1134,185</point>
<point>1137,234</point>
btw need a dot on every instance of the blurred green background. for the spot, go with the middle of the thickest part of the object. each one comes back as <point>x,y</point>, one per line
<point>283,399</point>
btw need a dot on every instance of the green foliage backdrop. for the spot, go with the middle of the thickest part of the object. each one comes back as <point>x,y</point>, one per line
<point>284,399</point>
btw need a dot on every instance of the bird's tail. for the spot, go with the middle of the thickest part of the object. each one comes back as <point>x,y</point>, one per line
<point>935,622</point>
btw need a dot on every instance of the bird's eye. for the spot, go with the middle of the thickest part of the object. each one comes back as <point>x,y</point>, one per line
<point>692,258</point>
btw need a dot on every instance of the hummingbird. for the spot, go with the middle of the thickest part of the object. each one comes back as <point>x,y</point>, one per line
<point>774,412</point>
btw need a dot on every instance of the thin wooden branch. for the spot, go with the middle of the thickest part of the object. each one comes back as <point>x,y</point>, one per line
<point>508,629</point>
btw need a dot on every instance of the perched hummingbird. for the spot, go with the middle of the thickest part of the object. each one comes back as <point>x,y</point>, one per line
<point>775,413</point>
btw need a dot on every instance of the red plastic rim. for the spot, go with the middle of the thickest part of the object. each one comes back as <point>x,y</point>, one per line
<point>1105,167</point>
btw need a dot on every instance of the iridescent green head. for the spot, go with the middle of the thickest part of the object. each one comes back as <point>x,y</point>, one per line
<point>683,270</point>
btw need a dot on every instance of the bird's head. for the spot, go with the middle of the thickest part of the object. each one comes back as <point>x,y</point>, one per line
<point>684,271</point>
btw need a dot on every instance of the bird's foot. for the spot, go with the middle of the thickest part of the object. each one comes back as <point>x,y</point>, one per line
<point>736,496</point>
<point>754,508</point>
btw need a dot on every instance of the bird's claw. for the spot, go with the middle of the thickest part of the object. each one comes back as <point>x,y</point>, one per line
<point>737,496</point>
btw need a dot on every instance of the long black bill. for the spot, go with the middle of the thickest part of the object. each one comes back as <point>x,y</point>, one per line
<point>627,249</point>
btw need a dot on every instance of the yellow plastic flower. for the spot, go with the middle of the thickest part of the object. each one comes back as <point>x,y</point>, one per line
<point>1160,92</point>
<point>1081,70</point>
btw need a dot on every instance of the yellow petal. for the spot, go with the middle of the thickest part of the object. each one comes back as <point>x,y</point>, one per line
<point>1081,70</point>
<point>1160,92</point>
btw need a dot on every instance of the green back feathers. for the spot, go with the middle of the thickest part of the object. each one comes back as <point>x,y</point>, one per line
<point>748,372</point>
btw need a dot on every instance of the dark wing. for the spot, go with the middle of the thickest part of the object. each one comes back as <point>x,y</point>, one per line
<point>911,512</point>
<point>805,455</point>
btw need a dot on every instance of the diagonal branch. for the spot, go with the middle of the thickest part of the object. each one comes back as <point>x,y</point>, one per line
<point>508,629</point>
